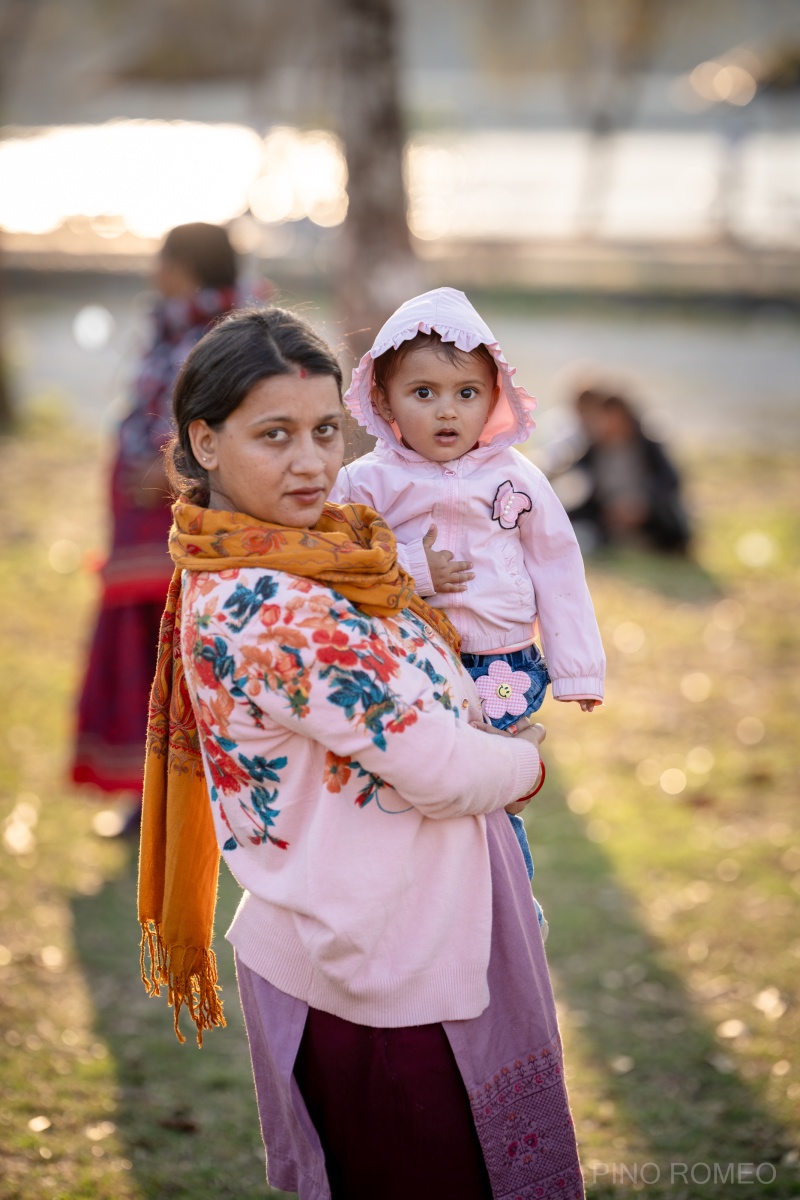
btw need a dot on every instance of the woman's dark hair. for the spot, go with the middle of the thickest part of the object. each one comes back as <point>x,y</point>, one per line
<point>389,362</point>
<point>244,348</point>
<point>618,404</point>
<point>205,251</point>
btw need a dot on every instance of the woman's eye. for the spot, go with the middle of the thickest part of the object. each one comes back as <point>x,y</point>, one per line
<point>327,431</point>
<point>275,435</point>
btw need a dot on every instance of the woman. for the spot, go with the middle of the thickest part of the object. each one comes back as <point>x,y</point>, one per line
<point>390,965</point>
<point>625,489</point>
<point>196,279</point>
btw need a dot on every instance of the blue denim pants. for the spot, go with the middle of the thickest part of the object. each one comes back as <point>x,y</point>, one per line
<point>529,661</point>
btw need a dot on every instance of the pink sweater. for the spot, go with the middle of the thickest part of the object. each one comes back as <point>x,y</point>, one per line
<point>492,507</point>
<point>348,788</point>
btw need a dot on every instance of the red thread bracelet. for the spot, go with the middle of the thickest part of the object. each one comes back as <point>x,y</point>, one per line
<point>538,787</point>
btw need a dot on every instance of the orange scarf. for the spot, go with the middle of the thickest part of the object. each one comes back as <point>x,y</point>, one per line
<point>352,550</point>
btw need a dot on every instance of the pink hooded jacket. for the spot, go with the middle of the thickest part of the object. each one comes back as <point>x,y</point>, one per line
<point>492,506</point>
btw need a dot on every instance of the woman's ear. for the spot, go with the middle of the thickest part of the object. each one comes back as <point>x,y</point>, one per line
<point>204,444</point>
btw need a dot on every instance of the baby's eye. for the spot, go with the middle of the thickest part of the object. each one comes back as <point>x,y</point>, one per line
<point>467,393</point>
<point>423,393</point>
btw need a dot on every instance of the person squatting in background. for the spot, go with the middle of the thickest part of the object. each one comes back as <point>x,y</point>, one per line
<point>195,277</point>
<point>437,393</point>
<point>621,488</point>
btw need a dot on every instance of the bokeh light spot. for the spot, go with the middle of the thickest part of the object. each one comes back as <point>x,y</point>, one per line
<point>93,327</point>
<point>628,637</point>
<point>696,686</point>
<point>750,731</point>
<point>672,781</point>
<point>755,549</point>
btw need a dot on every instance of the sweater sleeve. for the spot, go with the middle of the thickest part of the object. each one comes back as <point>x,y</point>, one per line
<point>379,702</point>
<point>567,625</point>
<point>412,558</point>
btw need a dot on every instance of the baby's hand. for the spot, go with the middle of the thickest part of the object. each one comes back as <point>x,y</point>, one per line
<point>446,575</point>
<point>587,705</point>
<point>529,731</point>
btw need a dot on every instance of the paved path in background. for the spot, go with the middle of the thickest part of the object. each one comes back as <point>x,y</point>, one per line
<point>721,380</point>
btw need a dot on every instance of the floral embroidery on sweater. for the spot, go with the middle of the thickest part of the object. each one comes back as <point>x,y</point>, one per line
<point>247,646</point>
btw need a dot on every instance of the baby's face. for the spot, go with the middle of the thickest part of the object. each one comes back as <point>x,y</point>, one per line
<point>440,407</point>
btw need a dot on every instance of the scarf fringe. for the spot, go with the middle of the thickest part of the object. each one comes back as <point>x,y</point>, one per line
<point>196,988</point>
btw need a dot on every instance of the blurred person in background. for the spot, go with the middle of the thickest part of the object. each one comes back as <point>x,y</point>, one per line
<point>195,277</point>
<point>623,489</point>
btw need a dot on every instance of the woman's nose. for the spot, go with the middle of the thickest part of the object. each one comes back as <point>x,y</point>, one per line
<point>308,457</point>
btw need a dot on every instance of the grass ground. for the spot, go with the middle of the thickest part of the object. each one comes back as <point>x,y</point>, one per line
<point>667,853</point>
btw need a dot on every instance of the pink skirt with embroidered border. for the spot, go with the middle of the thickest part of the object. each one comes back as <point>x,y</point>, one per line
<point>498,1076</point>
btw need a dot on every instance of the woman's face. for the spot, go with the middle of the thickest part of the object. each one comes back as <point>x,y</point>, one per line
<point>276,457</point>
<point>173,280</point>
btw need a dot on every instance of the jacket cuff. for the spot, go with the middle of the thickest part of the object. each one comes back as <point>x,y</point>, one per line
<point>411,556</point>
<point>583,687</point>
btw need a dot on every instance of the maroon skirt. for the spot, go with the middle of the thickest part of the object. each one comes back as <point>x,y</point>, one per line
<point>468,1109</point>
<point>112,709</point>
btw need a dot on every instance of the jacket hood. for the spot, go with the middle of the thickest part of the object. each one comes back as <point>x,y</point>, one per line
<point>449,313</point>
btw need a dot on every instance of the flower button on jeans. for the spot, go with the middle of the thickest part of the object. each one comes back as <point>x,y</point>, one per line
<point>503,691</point>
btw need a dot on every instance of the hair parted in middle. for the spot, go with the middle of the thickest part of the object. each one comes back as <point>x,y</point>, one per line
<point>237,353</point>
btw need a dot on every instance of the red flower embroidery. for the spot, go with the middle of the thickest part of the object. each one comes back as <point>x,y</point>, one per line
<point>374,657</point>
<point>402,722</point>
<point>204,667</point>
<point>226,774</point>
<point>270,615</point>
<point>337,771</point>
<point>258,541</point>
<point>334,648</point>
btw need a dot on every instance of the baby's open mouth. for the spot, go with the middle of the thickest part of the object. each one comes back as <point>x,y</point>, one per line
<point>446,435</point>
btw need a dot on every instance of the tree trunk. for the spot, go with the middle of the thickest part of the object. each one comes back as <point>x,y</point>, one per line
<point>6,402</point>
<point>376,269</point>
<point>16,20</point>
<point>606,48</point>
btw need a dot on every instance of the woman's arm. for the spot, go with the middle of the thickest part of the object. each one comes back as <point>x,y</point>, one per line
<point>376,695</point>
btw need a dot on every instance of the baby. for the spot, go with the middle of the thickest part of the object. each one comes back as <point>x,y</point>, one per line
<point>477,524</point>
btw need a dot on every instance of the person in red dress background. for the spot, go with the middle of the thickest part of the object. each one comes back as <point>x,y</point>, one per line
<point>196,280</point>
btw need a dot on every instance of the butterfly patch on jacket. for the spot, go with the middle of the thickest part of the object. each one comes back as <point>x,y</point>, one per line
<point>509,505</point>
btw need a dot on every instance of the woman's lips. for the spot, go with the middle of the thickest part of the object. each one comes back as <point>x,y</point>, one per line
<point>306,495</point>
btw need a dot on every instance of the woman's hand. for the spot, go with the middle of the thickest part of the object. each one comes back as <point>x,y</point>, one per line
<point>529,732</point>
